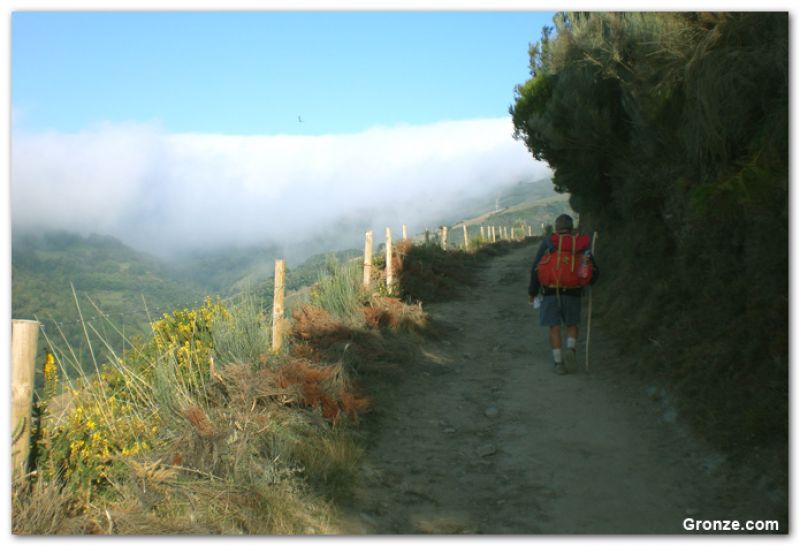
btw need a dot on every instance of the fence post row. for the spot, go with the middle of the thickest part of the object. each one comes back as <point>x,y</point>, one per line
<point>24,339</point>
<point>277,305</point>
<point>25,334</point>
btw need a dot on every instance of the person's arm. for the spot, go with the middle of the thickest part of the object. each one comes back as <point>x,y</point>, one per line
<point>533,286</point>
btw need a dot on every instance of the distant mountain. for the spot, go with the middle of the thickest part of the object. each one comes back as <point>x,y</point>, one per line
<point>131,287</point>
<point>123,283</point>
<point>533,203</point>
<point>226,270</point>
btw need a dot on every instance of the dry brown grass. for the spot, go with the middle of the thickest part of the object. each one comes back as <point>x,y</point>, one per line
<point>259,447</point>
<point>44,508</point>
<point>318,327</point>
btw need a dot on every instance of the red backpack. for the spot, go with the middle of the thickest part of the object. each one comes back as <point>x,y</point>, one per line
<point>565,265</point>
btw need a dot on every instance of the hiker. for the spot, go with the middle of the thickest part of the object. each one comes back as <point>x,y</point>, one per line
<point>562,267</point>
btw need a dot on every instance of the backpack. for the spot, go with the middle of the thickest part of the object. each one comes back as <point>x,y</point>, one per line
<point>566,262</point>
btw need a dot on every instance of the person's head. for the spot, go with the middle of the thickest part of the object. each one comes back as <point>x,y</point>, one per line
<point>564,224</point>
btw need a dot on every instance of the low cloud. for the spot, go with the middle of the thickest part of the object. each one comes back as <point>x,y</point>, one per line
<point>165,193</point>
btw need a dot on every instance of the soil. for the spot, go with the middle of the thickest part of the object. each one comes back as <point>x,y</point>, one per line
<point>481,437</point>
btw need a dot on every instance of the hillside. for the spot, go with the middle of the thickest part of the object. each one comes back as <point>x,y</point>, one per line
<point>132,287</point>
<point>225,270</point>
<point>529,202</point>
<point>123,283</point>
<point>120,280</point>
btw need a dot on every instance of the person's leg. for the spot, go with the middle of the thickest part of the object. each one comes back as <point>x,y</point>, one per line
<point>571,306</point>
<point>550,316</point>
<point>572,336</point>
<point>555,344</point>
<point>555,336</point>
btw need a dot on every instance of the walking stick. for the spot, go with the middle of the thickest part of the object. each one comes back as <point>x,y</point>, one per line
<point>589,325</point>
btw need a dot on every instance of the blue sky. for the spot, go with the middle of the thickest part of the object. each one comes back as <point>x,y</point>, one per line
<point>252,73</point>
<point>178,130</point>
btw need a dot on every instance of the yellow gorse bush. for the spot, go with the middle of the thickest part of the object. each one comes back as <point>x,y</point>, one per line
<point>186,335</point>
<point>112,416</point>
<point>87,447</point>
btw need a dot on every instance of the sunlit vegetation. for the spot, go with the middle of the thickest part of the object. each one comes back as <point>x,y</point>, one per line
<point>200,428</point>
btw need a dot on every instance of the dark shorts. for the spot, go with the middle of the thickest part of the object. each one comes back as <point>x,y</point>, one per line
<point>553,314</point>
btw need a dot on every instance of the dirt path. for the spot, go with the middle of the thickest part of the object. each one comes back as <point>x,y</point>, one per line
<point>482,437</point>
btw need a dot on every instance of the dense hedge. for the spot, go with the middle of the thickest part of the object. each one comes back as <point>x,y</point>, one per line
<point>670,132</point>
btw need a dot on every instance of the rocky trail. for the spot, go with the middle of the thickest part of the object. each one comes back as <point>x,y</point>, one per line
<point>483,438</point>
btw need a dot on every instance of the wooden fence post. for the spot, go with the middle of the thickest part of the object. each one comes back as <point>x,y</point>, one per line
<point>277,305</point>
<point>405,233</point>
<point>367,258</point>
<point>483,238</point>
<point>494,235</point>
<point>466,239</point>
<point>444,237</point>
<point>530,231</point>
<point>24,338</point>
<point>389,268</point>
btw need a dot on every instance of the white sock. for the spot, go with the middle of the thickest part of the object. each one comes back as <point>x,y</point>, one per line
<point>557,355</point>
<point>571,342</point>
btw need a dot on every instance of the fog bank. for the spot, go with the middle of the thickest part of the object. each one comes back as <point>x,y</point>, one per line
<point>166,193</point>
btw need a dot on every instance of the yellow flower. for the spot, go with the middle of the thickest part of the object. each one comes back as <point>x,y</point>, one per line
<point>50,375</point>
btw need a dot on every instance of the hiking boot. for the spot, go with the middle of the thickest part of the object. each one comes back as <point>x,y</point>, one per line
<point>559,368</point>
<point>570,359</point>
